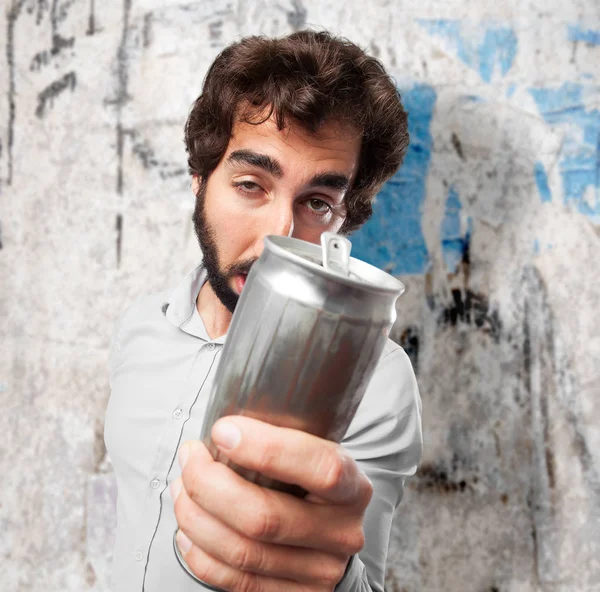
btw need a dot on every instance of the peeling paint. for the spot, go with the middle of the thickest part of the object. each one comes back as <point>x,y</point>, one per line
<point>393,238</point>
<point>489,49</point>
<point>579,163</point>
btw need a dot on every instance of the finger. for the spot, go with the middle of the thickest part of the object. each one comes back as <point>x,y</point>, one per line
<point>223,576</point>
<point>228,546</point>
<point>271,516</point>
<point>319,466</point>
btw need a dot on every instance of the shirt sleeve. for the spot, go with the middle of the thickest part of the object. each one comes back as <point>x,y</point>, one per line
<point>386,440</point>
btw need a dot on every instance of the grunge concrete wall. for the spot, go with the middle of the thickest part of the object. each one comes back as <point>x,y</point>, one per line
<point>493,223</point>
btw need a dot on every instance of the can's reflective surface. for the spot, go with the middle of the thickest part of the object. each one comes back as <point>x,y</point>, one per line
<point>303,342</point>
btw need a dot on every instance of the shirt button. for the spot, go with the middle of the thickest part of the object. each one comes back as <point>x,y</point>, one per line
<point>138,555</point>
<point>211,346</point>
<point>177,413</point>
<point>154,483</point>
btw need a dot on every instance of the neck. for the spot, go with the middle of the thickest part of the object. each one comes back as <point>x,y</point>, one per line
<point>215,316</point>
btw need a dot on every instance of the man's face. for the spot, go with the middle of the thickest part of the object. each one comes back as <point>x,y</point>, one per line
<point>285,182</point>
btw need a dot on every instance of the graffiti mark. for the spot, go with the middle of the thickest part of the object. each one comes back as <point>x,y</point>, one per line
<point>11,19</point>
<point>541,180</point>
<point>119,229</point>
<point>486,48</point>
<point>393,238</point>
<point>122,96</point>
<point>455,233</point>
<point>457,146</point>
<point>91,30</point>
<point>471,309</point>
<point>146,155</point>
<point>579,158</point>
<point>147,29</point>
<point>47,96</point>
<point>297,17</point>
<point>578,33</point>
<point>42,58</point>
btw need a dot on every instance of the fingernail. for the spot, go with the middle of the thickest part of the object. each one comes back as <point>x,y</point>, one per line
<point>175,489</point>
<point>184,453</point>
<point>226,435</point>
<point>184,543</point>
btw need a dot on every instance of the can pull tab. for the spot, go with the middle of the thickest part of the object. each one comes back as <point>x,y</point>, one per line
<point>336,252</point>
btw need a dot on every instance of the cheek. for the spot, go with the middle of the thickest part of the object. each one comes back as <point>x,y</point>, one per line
<point>230,226</point>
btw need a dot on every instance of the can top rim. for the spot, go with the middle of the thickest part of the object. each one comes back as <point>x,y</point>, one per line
<point>366,276</point>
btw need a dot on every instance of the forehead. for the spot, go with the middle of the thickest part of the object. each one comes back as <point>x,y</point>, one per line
<point>334,146</point>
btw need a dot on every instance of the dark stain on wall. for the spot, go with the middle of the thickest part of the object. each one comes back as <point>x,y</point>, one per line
<point>91,30</point>
<point>409,340</point>
<point>437,478</point>
<point>297,17</point>
<point>215,32</point>
<point>471,308</point>
<point>456,143</point>
<point>119,229</point>
<point>122,91</point>
<point>11,19</point>
<point>47,96</point>
<point>147,29</point>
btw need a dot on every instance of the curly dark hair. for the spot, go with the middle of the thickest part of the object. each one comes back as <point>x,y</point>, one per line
<point>305,78</point>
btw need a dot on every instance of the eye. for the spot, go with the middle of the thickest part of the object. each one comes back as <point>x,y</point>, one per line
<point>247,186</point>
<point>318,206</point>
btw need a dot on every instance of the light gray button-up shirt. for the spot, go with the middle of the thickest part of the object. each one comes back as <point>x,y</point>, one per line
<point>161,368</point>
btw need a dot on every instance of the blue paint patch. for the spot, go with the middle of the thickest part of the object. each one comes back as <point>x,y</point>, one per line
<point>579,160</point>
<point>590,36</point>
<point>510,91</point>
<point>541,179</point>
<point>393,239</point>
<point>454,238</point>
<point>536,247</point>
<point>485,48</point>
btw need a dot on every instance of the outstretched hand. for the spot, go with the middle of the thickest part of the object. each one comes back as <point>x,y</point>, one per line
<point>240,537</point>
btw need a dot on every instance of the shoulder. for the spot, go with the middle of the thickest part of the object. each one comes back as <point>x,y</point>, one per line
<point>143,311</point>
<point>147,307</point>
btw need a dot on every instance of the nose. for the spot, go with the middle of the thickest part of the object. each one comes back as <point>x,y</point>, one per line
<point>278,221</point>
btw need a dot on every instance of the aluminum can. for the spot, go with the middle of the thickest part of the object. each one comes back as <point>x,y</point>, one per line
<point>306,335</point>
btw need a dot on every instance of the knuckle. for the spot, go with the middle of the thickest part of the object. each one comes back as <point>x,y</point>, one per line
<point>366,492</point>
<point>263,524</point>
<point>333,572</point>
<point>353,541</point>
<point>333,468</point>
<point>244,556</point>
<point>247,583</point>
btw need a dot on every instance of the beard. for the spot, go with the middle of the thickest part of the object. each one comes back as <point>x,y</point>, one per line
<point>218,278</point>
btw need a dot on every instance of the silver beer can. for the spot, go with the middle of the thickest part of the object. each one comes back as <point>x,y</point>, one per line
<point>306,335</point>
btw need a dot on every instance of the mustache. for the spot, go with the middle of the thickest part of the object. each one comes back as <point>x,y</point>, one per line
<point>241,267</point>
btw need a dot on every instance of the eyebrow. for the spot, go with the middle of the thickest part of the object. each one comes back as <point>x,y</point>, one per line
<point>337,181</point>
<point>331,181</point>
<point>261,161</point>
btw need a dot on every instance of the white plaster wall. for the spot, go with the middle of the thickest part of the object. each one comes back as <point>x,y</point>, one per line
<point>95,209</point>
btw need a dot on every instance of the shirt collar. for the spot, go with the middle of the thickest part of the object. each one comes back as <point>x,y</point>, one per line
<point>180,307</point>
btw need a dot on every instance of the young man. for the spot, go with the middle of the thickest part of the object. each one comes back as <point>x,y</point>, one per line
<point>291,137</point>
